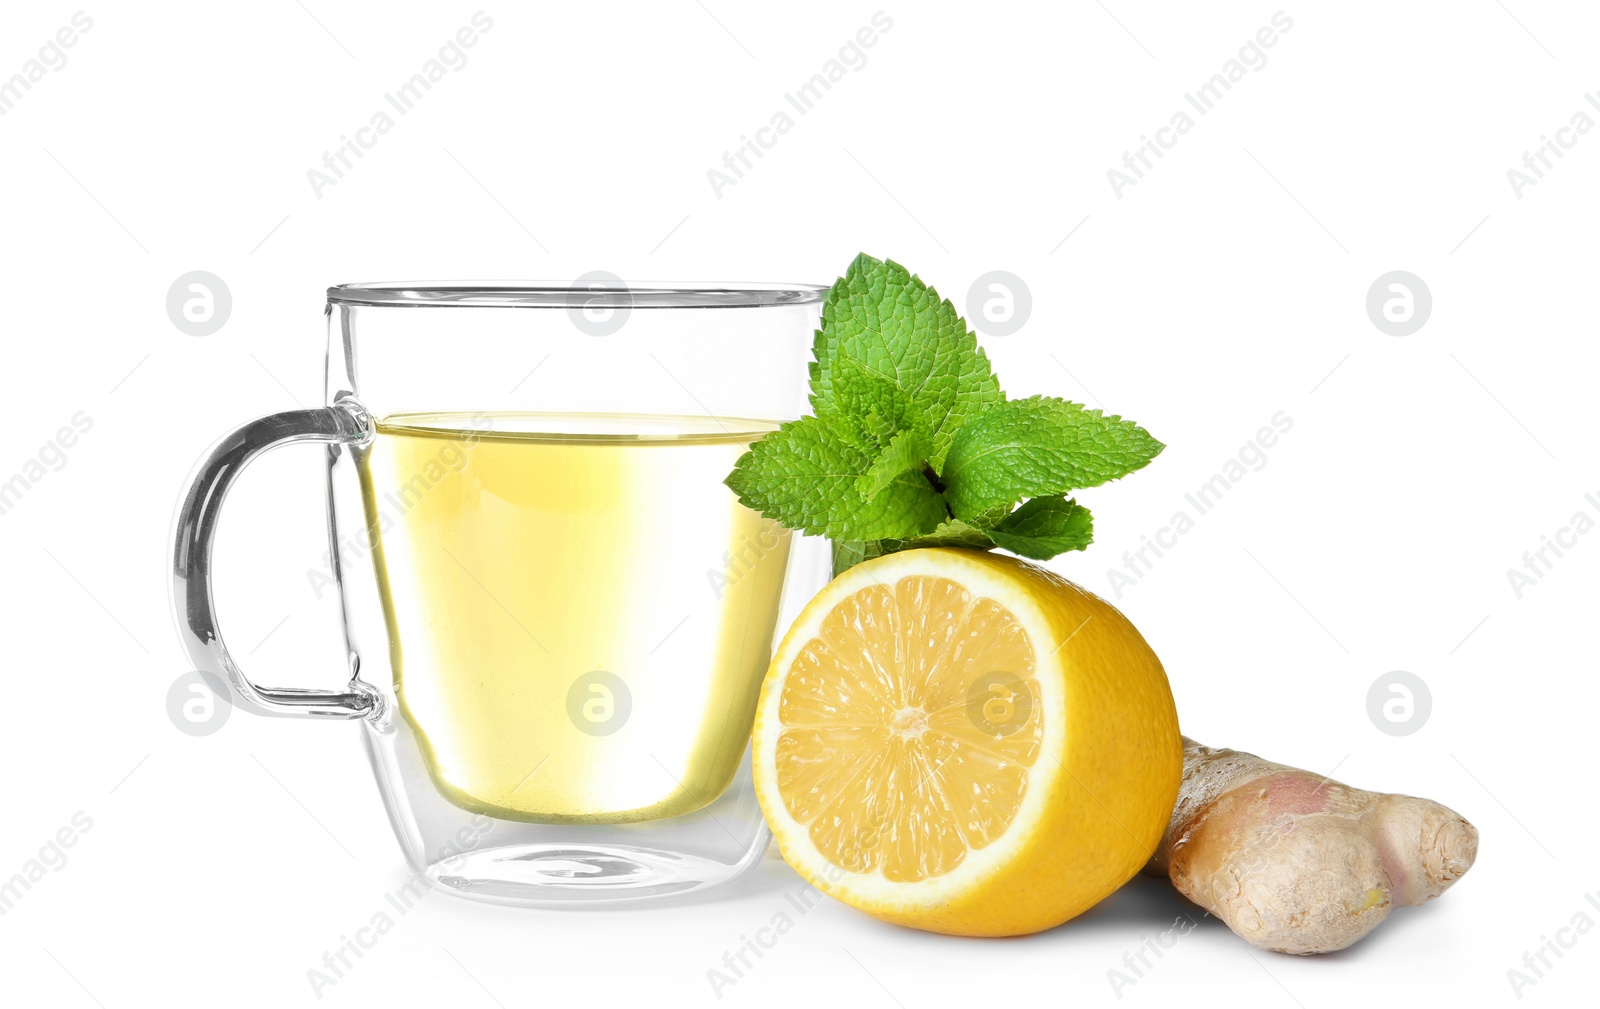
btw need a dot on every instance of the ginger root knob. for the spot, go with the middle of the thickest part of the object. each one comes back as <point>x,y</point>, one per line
<point>1295,863</point>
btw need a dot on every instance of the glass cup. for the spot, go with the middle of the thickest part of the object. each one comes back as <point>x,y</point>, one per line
<point>557,617</point>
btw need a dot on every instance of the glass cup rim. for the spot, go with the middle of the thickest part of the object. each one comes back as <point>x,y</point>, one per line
<point>588,293</point>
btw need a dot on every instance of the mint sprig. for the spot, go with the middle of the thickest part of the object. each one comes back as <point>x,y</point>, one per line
<point>881,318</point>
<point>913,444</point>
<point>808,475</point>
<point>1023,448</point>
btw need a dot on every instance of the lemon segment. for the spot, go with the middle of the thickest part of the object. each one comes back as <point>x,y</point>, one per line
<point>965,743</point>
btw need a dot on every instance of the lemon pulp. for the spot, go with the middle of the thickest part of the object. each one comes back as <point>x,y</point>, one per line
<point>886,753</point>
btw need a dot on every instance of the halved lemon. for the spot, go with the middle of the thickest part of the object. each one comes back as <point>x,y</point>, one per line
<point>965,743</point>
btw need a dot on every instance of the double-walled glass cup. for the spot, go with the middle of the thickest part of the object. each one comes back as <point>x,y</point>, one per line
<point>557,616</point>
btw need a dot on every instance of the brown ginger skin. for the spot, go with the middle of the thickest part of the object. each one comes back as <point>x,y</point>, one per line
<point>1296,863</point>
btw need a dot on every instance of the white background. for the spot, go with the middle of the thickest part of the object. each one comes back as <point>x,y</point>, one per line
<point>1227,285</point>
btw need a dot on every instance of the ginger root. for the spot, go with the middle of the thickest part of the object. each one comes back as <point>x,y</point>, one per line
<point>1295,863</point>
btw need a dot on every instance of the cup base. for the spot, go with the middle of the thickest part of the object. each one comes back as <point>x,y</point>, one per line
<point>565,875</point>
<point>480,857</point>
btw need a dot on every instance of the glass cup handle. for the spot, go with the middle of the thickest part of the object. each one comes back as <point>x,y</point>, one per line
<point>346,423</point>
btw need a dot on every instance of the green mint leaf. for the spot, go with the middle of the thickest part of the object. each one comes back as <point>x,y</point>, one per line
<point>805,475</point>
<point>1038,447</point>
<point>1044,527</point>
<point>953,533</point>
<point>892,324</point>
<point>950,533</point>
<point>906,451</point>
<point>873,405</point>
<point>848,553</point>
<point>991,518</point>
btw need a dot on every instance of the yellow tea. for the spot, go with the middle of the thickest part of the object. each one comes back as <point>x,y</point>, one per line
<point>580,613</point>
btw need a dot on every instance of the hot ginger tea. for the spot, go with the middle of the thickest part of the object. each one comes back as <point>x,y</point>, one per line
<point>579,611</point>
